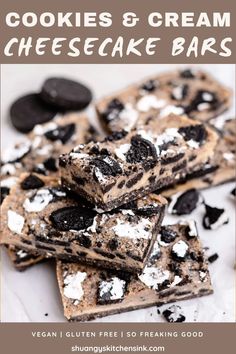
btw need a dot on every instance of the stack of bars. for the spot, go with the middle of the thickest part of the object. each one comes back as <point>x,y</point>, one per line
<point>96,204</point>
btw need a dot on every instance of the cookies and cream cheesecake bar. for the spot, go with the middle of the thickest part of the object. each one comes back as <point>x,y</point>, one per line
<point>176,270</point>
<point>39,153</point>
<point>40,216</point>
<point>187,91</point>
<point>40,150</point>
<point>126,166</point>
<point>222,168</point>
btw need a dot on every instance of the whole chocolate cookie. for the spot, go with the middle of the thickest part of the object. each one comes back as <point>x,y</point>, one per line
<point>30,110</point>
<point>65,94</point>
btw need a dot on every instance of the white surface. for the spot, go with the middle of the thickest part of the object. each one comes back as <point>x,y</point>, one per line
<point>28,296</point>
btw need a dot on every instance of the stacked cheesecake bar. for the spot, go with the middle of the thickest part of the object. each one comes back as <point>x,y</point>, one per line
<point>99,210</point>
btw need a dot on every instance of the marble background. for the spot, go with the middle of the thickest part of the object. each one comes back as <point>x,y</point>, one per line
<point>30,295</point>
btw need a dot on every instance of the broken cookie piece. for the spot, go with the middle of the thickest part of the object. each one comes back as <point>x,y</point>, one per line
<point>184,203</point>
<point>51,221</point>
<point>214,217</point>
<point>121,169</point>
<point>233,193</point>
<point>174,314</point>
<point>111,291</point>
<point>165,278</point>
<point>189,91</point>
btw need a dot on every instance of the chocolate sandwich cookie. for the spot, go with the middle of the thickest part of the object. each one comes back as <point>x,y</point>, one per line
<point>49,220</point>
<point>126,166</point>
<point>66,94</point>
<point>176,270</point>
<point>30,110</point>
<point>189,91</point>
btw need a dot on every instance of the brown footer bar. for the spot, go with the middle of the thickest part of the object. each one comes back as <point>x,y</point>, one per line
<point>66,338</point>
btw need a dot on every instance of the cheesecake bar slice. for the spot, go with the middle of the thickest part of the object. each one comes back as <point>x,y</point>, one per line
<point>176,270</point>
<point>126,166</point>
<point>23,259</point>
<point>48,220</point>
<point>39,152</point>
<point>189,91</point>
<point>221,170</point>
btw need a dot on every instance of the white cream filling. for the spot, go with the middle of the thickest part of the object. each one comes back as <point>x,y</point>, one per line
<point>100,177</point>
<point>9,182</point>
<point>193,144</point>
<point>41,129</point>
<point>115,287</point>
<point>21,253</point>
<point>16,152</point>
<point>229,156</point>
<point>134,231</point>
<point>127,212</point>
<point>176,281</point>
<point>8,169</point>
<point>207,96</point>
<point>129,115</point>
<point>180,248</point>
<point>153,276</point>
<point>15,221</point>
<point>92,228</point>
<point>79,155</point>
<point>177,92</point>
<point>38,202</point>
<point>202,276</point>
<point>121,151</point>
<point>73,285</point>
<point>148,102</point>
<point>171,109</point>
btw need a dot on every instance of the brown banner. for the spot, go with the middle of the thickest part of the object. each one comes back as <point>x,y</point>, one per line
<point>63,28</point>
<point>113,338</point>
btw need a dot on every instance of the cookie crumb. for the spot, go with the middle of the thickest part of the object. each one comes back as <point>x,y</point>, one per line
<point>213,257</point>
